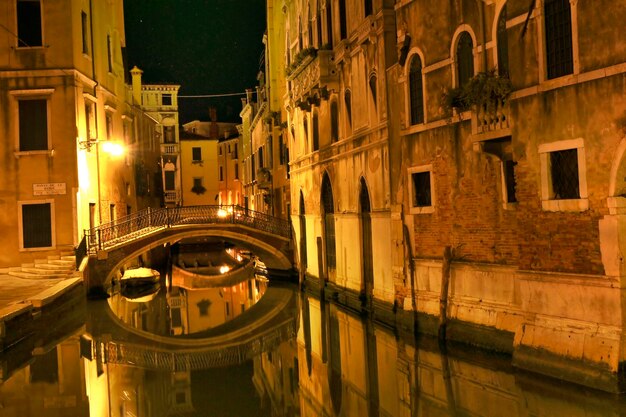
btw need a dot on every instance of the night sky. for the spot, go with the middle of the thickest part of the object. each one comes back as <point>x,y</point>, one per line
<point>206,46</point>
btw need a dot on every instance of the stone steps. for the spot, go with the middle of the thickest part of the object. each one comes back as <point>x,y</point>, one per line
<point>52,267</point>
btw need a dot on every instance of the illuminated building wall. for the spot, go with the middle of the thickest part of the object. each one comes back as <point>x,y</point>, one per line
<point>199,168</point>
<point>67,126</point>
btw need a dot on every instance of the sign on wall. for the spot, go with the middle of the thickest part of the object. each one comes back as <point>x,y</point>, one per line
<point>51,188</point>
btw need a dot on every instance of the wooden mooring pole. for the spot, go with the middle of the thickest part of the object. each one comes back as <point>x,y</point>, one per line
<point>443,298</point>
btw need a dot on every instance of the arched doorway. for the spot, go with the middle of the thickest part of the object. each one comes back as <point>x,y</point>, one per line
<point>303,249</point>
<point>367,283</point>
<point>328,210</point>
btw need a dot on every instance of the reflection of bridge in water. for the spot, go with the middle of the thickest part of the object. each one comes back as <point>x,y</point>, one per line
<point>264,326</point>
<point>109,245</point>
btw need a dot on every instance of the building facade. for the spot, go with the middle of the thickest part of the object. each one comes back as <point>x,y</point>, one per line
<point>199,162</point>
<point>66,124</point>
<point>468,139</point>
<point>160,101</point>
<point>336,58</point>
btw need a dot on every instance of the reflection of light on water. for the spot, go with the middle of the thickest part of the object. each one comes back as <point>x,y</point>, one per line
<point>224,269</point>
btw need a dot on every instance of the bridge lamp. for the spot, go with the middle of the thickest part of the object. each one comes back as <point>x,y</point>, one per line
<point>222,213</point>
<point>224,269</point>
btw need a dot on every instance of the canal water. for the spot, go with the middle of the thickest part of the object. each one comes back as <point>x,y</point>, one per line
<point>245,346</point>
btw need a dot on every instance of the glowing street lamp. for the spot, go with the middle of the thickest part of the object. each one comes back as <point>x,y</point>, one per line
<point>113,148</point>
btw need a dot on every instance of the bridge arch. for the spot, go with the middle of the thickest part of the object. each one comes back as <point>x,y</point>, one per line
<point>272,257</point>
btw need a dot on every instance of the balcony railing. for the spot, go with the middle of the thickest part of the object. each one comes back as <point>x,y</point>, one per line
<point>170,149</point>
<point>316,72</point>
<point>490,117</point>
<point>171,196</point>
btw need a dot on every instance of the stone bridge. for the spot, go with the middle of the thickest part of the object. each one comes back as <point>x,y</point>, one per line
<point>110,245</point>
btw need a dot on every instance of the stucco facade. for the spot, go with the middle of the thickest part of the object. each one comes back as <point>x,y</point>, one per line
<point>522,184</point>
<point>521,189</point>
<point>66,118</point>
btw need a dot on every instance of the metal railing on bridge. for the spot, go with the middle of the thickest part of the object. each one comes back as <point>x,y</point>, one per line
<point>146,221</point>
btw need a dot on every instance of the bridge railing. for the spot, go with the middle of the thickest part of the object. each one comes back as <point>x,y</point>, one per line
<point>145,221</point>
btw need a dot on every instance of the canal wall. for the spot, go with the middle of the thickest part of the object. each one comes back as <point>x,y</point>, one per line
<point>562,325</point>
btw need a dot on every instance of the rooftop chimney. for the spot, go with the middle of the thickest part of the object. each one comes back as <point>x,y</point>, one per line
<point>136,74</point>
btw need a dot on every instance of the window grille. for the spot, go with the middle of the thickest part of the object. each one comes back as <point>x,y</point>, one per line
<point>558,26</point>
<point>564,174</point>
<point>416,91</point>
<point>37,225</point>
<point>421,189</point>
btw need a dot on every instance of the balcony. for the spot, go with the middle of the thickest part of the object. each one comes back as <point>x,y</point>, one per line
<point>491,118</point>
<point>170,149</point>
<point>171,196</point>
<point>313,77</point>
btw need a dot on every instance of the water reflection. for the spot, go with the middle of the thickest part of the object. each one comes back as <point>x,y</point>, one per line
<point>336,364</point>
<point>183,309</point>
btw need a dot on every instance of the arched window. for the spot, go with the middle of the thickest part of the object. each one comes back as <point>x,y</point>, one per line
<point>305,129</point>
<point>373,90</point>
<point>303,253</point>
<point>316,132</point>
<point>503,43</point>
<point>329,23</point>
<point>558,26</point>
<point>416,90</point>
<point>300,46</point>
<point>343,22</point>
<point>334,121</point>
<point>369,9</point>
<point>318,21</point>
<point>347,98</point>
<point>464,59</point>
<point>328,210</point>
<point>367,285</point>
<point>309,29</point>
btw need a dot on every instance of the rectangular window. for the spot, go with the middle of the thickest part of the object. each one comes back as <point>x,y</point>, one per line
<point>33,125</point>
<point>220,150</point>
<point>170,180</point>
<point>564,174</point>
<point>196,154</point>
<point>166,99</point>
<point>421,189</point>
<point>37,225</point>
<point>109,126</point>
<point>221,173</point>
<point>508,168</point>
<point>109,54</point>
<point>84,24</point>
<point>197,182</point>
<point>89,121</point>
<point>236,171</point>
<point>558,26</point>
<point>261,164</point>
<point>169,134</point>
<point>29,32</point>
